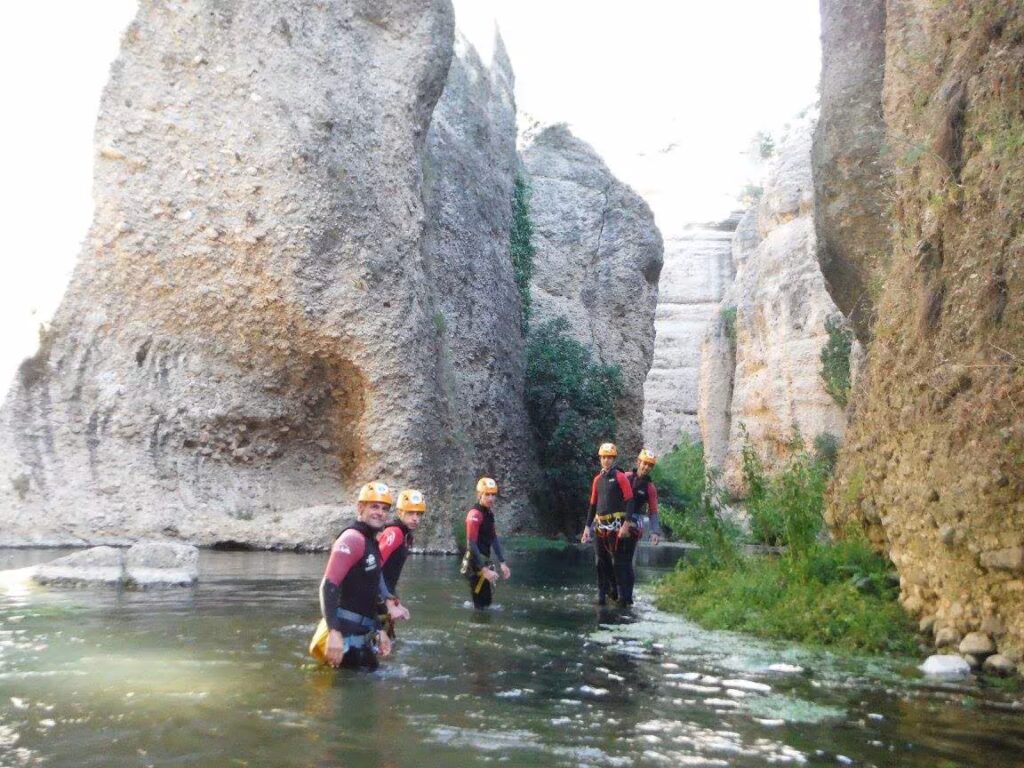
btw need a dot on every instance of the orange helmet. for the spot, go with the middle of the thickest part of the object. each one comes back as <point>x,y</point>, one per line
<point>376,492</point>
<point>608,449</point>
<point>486,485</point>
<point>646,457</point>
<point>411,500</point>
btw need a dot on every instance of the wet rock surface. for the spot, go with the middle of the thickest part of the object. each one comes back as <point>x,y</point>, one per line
<point>144,565</point>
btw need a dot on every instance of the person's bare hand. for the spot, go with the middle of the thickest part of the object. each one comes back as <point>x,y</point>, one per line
<point>490,574</point>
<point>384,643</point>
<point>505,572</point>
<point>585,537</point>
<point>397,611</point>
<point>335,647</point>
<point>655,538</point>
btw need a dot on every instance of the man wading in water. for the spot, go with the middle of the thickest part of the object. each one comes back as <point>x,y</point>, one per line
<point>394,541</point>
<point>352,583</point>
<point>611,503</point>
<point>644,495</point>
<point>481,540</point>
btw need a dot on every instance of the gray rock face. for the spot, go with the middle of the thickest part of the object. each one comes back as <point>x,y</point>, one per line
<point>599,256</point>
<point>144,565</point>
<point>698,269</point>
<point>945,666</point>
<point>850,172</point>
<point>469,171</point>
<point>251,324</point>
<point>781,307</point>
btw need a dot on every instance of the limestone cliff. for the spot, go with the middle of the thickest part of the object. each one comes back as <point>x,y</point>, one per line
<point>469,172</point>
<point>932,466</point>
<point>252,327</point>
<point>850,196</point>
<point>599,255</point>
<point>781,306</point>
<point>698,268</point>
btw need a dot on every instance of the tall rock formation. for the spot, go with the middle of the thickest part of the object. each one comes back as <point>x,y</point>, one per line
<point>469,172</point>
<point>599,255</point>
<point>850,198</point>
<point>781,305</point>
<point>698,269</point>
<point>254,325</point>
<point>932,466</point>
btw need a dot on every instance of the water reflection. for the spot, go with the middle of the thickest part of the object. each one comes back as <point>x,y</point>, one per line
<point>217,675</point>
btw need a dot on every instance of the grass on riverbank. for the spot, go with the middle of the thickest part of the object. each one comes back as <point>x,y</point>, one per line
<point>839,594</point>
<point>536,544</point>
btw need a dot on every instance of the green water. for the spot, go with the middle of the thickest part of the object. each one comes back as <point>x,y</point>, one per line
<point>217,676</point>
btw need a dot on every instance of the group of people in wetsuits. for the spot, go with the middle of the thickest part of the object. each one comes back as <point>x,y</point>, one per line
<point>359,599</point>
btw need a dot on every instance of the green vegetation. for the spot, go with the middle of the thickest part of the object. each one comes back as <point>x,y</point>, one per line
<point>679,478</point>
<point>839,594</point>
<point>570,399</point>
<point>729,321</point>
<point>521,244</point>
<point>835,360</point>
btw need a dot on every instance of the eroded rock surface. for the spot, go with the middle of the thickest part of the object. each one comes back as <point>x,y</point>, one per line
<point>932,463</point>
<point>697,271</point>
<point>144,565</point>
<point>781,307</point>
<point>599,256</point>
<point>250,328</point>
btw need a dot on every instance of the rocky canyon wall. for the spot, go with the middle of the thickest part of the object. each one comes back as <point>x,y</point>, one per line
<point>697,271</point>
<point>266,313</point>
<point>599,256</point>
<point>932,467</point>
<point>760,378</point>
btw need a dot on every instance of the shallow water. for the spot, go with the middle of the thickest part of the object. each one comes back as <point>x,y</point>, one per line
<point>217,676</point>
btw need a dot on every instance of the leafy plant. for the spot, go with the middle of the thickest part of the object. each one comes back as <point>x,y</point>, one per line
<point>835,360</point>
<point>521,246</point>
<point>570,399</point>
<point>729,322</point>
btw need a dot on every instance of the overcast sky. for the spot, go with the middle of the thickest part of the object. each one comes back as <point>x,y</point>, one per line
<point>670,93</point>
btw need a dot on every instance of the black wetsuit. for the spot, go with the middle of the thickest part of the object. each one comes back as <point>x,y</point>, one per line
<point>481,540</point>
<point>611,502</point>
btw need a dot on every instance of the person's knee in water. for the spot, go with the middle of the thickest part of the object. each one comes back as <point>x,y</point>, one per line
<point>482,543</point>
<point>352,583</point>
<point>611,502</point>
<point>395,540</point>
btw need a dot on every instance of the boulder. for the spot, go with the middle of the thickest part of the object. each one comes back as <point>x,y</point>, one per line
<point>997,664</point>
<point>98,565</point>
<point>977,644</point>
<point>945,666</point>
<point>161,564</point>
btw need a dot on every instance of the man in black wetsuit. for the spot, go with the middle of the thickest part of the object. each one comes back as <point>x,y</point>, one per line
<point>481,541</point>
<point>611,503</point>
<point>645,495</point>
<point>395,539</point>
<point>352,582</point>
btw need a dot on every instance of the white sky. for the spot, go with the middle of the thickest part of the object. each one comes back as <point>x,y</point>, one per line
<point>670,93</point>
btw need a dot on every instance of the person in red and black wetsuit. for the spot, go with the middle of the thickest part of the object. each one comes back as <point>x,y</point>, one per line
<point>481,541</point>
<point>611,503</point>
<point>644,495</point>
<point>352,582</point>
<point>394,541</point>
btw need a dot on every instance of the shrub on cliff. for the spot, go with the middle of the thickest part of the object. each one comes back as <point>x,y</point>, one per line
<point>521,246</point>
<point>570,399</point>
<point>835,360</point>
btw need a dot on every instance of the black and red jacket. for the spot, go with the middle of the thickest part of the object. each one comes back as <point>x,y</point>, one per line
<point>610,492</point>
<point>352,581</point>
<point>482,536</point>
<point>645,494</point>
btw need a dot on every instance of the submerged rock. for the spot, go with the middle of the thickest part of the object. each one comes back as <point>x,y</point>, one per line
<point>143,565</point>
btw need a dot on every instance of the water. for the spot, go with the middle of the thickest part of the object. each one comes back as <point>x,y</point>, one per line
<point>217,676</point>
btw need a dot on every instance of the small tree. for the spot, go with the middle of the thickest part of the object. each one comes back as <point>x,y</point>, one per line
<point>835,360</point>
<point>521,244</point>
<point>571,400</point>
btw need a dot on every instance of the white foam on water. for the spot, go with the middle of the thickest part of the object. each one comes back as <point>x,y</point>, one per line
<point>788,669</point>
<point>747,685</point>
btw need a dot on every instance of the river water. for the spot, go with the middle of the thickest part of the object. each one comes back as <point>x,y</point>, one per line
<point>217,676</point>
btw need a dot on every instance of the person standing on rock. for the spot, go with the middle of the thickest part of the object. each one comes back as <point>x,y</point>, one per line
<point>611,504</point>
<point>352,584</point>
<point>481,541</point>
<point>645,495</point>
<point>394,541</point>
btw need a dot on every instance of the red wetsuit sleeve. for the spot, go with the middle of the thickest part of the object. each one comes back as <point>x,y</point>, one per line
<point>390,539</point>
<point>593,489</point>
<point>652,500</point>
<point>473,520</point>
<point>346,552</point>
